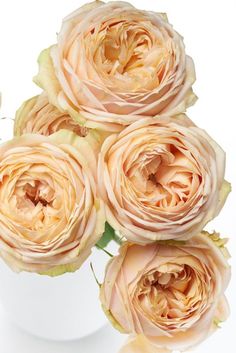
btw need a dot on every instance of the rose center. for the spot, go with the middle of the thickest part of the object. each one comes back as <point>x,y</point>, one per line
<point>32,193</point>
<point>37,193</point>
<point>178,277</point>
<point>128,51</point>
<point>171,292</point>
<point>165,179</point>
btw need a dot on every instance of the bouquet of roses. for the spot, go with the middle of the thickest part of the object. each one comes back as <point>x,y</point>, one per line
<point>105,153</point>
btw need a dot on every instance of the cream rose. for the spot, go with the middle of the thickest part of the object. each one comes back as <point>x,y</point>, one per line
<point>161,180</point>
<point>171,294</point>
<point>38,116</point>
<point>50,213</point>
<point>114,64</point>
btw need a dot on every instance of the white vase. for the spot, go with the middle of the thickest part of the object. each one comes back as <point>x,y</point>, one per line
<point>61,308</point>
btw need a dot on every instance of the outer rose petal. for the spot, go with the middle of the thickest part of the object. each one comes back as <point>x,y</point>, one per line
<point>51,215</point>
<point>136,279</point>
<point>140,344</point>
<point>110,98</point>
<point>222,312</point>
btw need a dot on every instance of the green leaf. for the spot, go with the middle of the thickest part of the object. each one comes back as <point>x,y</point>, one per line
<point>108,236</point>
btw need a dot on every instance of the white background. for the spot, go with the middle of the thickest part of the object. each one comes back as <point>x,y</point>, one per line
<point>208,26</point>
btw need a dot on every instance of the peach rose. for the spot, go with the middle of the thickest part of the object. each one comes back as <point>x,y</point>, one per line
<point>172,293</point>
<point>161,180</point>
<point>50,213</point>
<point>114,64</point>
<point>38,116</point>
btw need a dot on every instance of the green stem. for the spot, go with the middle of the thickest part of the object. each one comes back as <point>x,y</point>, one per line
<point>105,251</point>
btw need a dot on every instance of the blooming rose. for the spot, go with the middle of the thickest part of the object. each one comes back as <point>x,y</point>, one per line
<point>37,115</point>
<point>170,293</point>
<point>114,64</point>
<point>50,214</point>
<point>161,180</point>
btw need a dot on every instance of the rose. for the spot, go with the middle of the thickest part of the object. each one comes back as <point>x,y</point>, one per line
<point>50,213</point>
<point>171,293</point>
<point>114,64</point>
<point>161,180</point>
<point>37,115</point>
